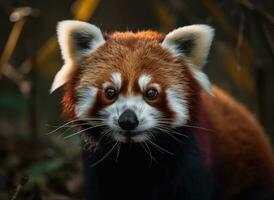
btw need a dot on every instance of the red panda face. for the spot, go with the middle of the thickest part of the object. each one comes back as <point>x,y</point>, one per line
<point>135,89</point>
<point>133,83</point>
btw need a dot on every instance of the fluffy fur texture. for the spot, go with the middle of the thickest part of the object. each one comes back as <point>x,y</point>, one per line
<point>76,39</point>
<point>186,144</point>
<point>191,42</point>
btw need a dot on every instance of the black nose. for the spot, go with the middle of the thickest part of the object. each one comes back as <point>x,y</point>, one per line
<point>128,120</point>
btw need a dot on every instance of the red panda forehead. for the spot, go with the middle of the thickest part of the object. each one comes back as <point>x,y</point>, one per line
<point>132,55</point>
<point>133,79</point>
<point>148,35</point>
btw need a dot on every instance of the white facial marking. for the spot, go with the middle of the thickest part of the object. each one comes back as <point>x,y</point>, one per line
<point>119,137</point>
<point>156,86</point>
<point>140,138</point>
<point>117,80</point>
<point>106,84</point>
<point>178,105</point>
<point>86,101</point>
<point>143,81</point>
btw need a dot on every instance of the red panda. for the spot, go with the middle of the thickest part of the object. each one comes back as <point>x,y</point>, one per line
<point>156,126</point>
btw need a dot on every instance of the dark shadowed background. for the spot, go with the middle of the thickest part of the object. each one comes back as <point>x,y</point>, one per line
<point>241,61</point>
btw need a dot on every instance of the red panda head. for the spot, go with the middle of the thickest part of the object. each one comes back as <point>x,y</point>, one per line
<point>133,83</point>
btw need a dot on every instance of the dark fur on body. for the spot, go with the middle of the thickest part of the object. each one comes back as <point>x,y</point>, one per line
<point>181,176</point>
<point>133,175</point>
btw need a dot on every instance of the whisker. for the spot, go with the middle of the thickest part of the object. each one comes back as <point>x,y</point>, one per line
<point>74,126</point>
<point>198,127</point>
<point>164,128</point>
<point>103,134</point>
<point>114,146</point>
<point>147,153</point>
<point>73,121</point>
<point>174,137</point>
<point>62,126</point>
<point>153,158</point>
<point>189,126</point>
<point>117,111</point>
<point>69,136</point>
<point>161,149</point>
<point>85,123</point>
<point>167,121</point>
<point>142,108</point>
<point>118,152</point>
<point>152,134</point>
<point>89,123</point>
<point>92,118</point>
<point>147,149</point>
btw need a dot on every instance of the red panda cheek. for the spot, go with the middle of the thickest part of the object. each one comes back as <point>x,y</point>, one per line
<point>68,106</point>
<point>161,104</point>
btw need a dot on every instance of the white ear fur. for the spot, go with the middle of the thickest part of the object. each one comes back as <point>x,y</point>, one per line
<point>193,44</point>
<point>62,76</point>
<point>76,39</point>
<point>202,78</point>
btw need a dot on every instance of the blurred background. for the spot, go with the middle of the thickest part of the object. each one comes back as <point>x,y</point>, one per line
<point>241,61</point>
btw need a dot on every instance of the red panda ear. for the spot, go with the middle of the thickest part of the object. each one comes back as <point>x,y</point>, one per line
<point>76,39</point>
<point>192,43</point>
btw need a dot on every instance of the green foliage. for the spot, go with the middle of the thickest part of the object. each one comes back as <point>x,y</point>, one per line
<point>12,102</point>
<point>38,172</point>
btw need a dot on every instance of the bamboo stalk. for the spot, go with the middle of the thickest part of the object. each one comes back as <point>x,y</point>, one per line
<point>11,44</point>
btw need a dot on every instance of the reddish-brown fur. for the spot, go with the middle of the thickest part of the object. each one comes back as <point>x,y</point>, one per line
<point>240,143</point>
<point>243,151</point>
<point>132,55</point>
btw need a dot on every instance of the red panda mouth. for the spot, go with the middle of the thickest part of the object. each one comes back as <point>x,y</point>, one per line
<point>98,134</point>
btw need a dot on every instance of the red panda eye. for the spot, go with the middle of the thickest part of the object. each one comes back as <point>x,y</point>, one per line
<point>110,93</point>
<point>151,94</point>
